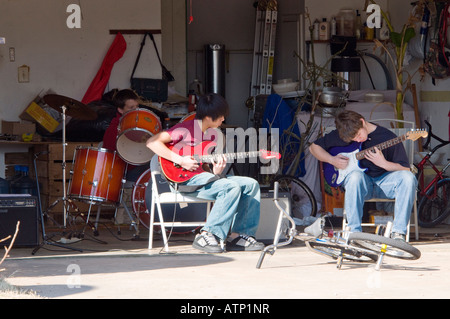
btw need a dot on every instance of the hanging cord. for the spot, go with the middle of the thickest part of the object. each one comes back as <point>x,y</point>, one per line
<point>367,69</point>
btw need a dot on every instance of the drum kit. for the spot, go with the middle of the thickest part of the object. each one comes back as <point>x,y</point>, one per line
<point>98,174</point>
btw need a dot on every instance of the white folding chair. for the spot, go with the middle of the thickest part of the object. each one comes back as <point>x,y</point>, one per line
<point>161,194</point>
<point>409,147</point>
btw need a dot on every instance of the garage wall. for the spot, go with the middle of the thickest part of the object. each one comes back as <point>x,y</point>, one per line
<point>66,60</point>
<point>232,23</point>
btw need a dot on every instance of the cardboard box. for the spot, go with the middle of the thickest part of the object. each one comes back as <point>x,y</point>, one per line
<point>36,113</point>
<point>18,128</point>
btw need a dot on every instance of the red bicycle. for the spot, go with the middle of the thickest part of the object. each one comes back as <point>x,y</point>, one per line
<point>434,197</point>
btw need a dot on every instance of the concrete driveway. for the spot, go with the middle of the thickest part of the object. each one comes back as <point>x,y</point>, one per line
<point>116,268</point>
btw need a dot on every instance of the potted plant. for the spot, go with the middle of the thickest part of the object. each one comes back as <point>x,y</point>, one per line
<point>399,41</point>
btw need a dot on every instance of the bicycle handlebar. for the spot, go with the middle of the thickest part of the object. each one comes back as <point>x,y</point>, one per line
<point>430,135</point>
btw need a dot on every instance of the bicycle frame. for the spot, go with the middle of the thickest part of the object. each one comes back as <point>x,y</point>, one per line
<point>423,189</point>
<point>421,176</point>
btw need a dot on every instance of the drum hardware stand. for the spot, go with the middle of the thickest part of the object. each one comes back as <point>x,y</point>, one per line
<point>124,205</point>
<point>45,238</point>
<point>117,205</point>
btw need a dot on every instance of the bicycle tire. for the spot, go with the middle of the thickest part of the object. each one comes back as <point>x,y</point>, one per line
<point>334,251</point>
<point>302,198</point>
<point>433,211</point>
<point>391,247</point>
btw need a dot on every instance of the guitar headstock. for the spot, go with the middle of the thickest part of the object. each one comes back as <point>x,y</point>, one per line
<point>416,134</point>
<point>269,154</point>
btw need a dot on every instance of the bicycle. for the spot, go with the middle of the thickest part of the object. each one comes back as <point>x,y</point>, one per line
<point>302,198</point>
<point>362,247</point>
<point>434,197</point>
<point>341,245</point>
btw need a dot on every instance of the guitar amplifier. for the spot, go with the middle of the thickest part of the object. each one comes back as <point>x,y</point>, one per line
<point>269,215</point>
<point>23,208</point>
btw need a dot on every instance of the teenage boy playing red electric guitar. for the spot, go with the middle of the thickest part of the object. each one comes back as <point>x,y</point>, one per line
<point>234,217</point>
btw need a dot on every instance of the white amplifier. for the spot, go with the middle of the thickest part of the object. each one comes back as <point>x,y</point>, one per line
<point>269,216</point>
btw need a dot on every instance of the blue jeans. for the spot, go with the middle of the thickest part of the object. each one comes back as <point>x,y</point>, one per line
<point>236,206</point>
<point>359,187</point>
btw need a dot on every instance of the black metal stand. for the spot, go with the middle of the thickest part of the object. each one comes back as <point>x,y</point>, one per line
<point>45,238</point>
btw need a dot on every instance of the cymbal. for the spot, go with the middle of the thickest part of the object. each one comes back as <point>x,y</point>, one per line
<point>74,108</point>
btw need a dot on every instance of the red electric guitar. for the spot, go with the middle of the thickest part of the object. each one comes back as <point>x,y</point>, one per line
<point>177,174</point>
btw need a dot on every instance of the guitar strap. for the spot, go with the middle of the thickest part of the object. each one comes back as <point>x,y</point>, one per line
<point>193,188</point>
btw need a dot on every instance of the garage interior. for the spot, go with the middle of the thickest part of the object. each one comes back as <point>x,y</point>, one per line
<point>76,53</point>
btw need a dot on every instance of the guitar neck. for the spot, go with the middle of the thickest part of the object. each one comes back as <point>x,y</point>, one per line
<point>382,146</point>
<point>229,156</point>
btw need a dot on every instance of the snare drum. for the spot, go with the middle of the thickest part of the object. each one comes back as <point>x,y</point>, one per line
<point>135,128</point>
<point>96,175</point>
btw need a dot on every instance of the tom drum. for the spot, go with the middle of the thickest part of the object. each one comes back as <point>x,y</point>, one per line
<point>96,175</point>
<point>135,128</point>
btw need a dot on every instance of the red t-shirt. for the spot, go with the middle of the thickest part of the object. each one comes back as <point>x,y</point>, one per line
<point>190,133</point>
<point>110,136</point>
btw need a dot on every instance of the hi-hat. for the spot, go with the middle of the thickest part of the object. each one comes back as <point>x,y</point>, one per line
<point>74,108</point>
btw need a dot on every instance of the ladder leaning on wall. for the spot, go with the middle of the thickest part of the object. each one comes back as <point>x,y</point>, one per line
<point>264,47</point>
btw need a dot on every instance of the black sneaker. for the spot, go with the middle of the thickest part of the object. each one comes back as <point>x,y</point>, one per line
<point>207,243</point>
<point>244,243</point>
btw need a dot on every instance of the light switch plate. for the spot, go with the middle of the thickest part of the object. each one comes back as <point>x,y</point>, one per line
<point>24,74</point>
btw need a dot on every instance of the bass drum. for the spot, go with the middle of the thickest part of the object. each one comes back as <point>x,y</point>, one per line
<point>138,198</point>
<point>188,117</point>
<point>142,199</point>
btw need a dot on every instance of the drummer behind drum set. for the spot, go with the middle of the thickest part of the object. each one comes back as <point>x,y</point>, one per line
<point>124,101</point>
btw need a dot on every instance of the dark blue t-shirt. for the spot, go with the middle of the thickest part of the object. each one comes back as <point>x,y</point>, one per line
<point>395,154</point>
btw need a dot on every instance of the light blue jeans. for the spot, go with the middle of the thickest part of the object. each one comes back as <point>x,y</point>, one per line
<point>359,187</point>
<point>236,206</point>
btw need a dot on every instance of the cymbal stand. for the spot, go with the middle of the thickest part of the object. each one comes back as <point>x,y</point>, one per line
<point>63,164</point>
<point>45,238</point>
<point>64,198</point>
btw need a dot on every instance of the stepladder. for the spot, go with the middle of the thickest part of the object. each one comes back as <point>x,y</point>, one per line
<point>264,47</point>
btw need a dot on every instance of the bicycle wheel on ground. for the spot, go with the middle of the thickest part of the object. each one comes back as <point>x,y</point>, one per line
<point>334,251</point>
<point>434,207</point>
<point>391,247</point>
<point>303,202</point>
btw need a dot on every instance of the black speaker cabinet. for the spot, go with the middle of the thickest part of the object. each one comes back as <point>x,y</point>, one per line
<point>19,207</point>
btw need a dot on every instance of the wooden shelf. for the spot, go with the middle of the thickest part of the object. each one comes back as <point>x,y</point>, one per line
<point>135,31</point>
<point>328,41</point>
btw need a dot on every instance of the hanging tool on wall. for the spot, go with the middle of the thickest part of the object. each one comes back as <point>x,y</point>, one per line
<point>264,47</point>
<point>191,17</point>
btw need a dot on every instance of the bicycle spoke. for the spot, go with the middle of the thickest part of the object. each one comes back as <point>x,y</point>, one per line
<point>336,251</point>
<point>303,203</point>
